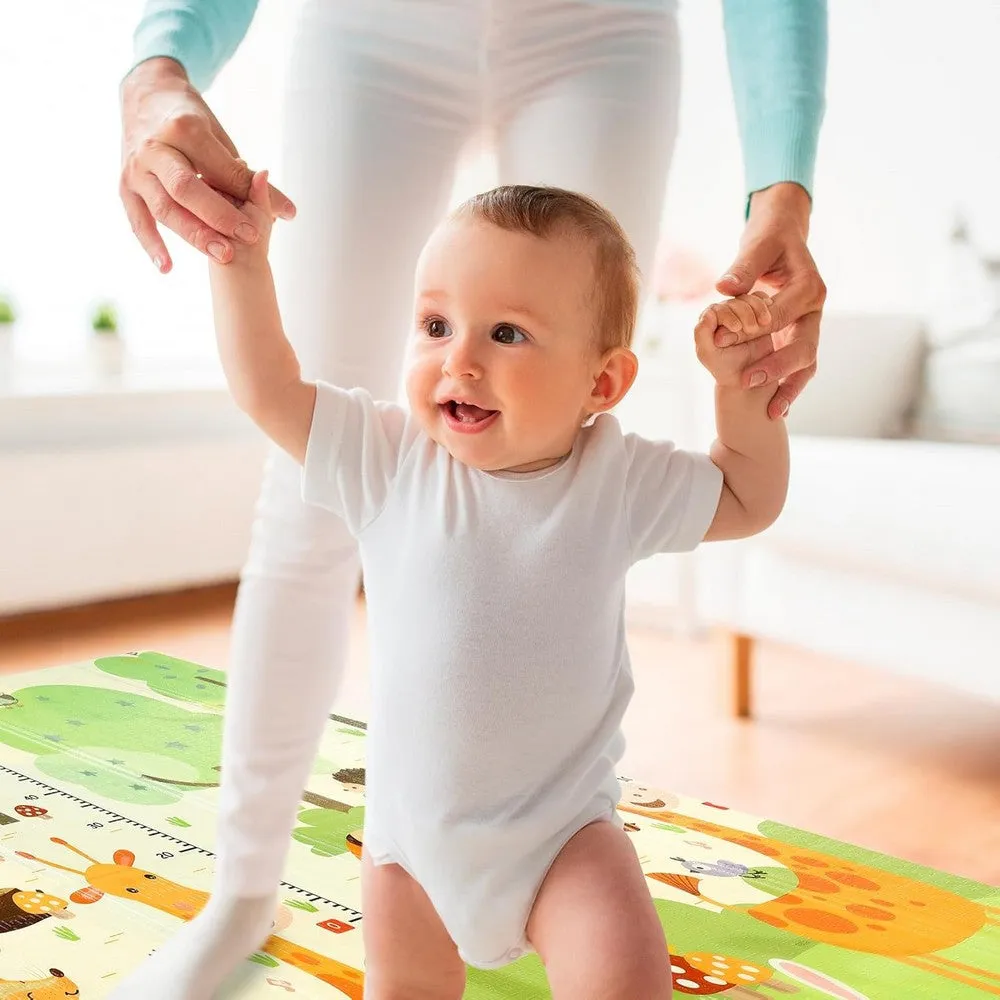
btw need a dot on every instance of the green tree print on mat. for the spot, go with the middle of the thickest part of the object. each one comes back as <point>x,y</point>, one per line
<point>178,679</point>
<point>144,750</point>
<point>124,746</point>
<point>325,830</point>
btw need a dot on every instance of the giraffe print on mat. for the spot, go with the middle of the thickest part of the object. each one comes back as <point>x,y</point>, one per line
<point>856,906</point>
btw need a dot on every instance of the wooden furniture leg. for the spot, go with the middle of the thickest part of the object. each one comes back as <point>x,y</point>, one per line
<point>741,662</point>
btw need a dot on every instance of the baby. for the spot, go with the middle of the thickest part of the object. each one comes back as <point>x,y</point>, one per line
<point>497,517</point>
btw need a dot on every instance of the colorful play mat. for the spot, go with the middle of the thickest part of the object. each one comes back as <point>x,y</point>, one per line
<point>109,774</point>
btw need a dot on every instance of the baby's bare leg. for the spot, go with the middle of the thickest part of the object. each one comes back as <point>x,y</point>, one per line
<point>594,924</point>
<point>408,953</point>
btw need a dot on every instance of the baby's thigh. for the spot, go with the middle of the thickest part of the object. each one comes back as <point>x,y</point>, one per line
<point>408,953</point>
<point>594,924</point>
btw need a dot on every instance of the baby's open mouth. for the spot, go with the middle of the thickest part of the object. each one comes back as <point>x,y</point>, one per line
<point>467,413</point>
<point>467,418</point>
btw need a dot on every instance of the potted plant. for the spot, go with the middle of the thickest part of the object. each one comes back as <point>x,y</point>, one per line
<point>106,347</point>
<point>8,316</point>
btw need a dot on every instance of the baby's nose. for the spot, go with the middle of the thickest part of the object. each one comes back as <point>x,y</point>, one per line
<point>462,360</point>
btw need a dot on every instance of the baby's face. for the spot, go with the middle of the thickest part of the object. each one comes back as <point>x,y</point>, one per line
<point>504,360</point>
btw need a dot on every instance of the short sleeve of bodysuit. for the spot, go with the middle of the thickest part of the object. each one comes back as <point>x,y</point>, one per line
<point>353,454</point>
<point>671,496</point>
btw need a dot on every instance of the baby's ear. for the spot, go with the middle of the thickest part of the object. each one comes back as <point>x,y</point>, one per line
<point>619,367</point>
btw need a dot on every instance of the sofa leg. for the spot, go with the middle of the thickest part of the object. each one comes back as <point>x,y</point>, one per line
<point>741,663</point>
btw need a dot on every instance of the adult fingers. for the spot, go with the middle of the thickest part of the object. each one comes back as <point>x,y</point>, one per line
<point>178,177</point>
<point>754,350</point>
<point>788,392</point>
<point>798,354</point>
<point>803,293</point>
<point>219,165</point>
<point>144,226</point>
<point>188,226</point>
<point>755,259</point>
<point>281,205</point>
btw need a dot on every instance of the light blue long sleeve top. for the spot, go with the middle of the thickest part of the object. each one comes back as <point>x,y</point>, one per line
<point>777,52</point>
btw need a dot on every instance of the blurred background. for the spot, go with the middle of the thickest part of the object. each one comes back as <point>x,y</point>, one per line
<point>906,147</point>
<point>870,612</point>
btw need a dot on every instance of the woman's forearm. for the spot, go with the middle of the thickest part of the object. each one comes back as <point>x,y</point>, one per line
<point>752,452</point>
<point>201,35</point>
<point>777,52</point>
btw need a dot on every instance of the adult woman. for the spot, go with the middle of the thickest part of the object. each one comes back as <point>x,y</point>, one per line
<point>381,97</point>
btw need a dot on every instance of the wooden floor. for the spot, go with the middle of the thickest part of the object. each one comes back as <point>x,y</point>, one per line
<point>904,768</point>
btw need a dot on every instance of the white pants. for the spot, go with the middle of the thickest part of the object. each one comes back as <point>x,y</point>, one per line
<point>382,96</point>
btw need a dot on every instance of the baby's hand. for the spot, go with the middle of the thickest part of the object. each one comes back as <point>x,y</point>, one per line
<point>747,314</point>
<point>258,210</point>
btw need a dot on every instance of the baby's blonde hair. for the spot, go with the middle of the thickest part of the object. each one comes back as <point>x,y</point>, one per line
<point>547,211</point>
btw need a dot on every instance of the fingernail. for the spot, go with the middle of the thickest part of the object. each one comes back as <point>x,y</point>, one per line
<point>217,250</point>
<point>783,408</point>
<point>730,277</point>
<point>158,262</point>
<point>756,379</point>
<point>727,340</point>
<point>246,233</point>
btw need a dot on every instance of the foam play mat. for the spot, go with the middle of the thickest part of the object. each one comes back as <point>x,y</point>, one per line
<point>109,773</point>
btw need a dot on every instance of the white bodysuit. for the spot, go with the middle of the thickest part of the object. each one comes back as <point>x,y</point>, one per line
<point>499,668</point>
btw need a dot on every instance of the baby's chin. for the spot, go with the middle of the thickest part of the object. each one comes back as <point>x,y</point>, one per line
<point>476,453</point>
<point>488,451</point>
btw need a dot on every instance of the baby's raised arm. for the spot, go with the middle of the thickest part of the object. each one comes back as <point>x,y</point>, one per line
<point>751,449</point>
<point>260,365</point>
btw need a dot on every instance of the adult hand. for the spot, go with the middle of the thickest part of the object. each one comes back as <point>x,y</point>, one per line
<point>179,166</point>
<point>773,256</point>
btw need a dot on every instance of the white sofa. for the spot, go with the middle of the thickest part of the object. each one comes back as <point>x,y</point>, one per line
<point>888,550</point>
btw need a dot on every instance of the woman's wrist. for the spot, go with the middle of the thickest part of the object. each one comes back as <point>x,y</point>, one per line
<point>786,199</point>
<point>153,74</point>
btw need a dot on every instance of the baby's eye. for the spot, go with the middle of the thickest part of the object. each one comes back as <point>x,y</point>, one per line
<point>507,334</point>
<point>436,328</point>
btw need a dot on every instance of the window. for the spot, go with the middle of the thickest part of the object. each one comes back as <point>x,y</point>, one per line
<point>65,241</point>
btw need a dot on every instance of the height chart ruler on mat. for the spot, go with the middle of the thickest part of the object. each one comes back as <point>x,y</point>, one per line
<point>74,855</point>
<point>109,778</point>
